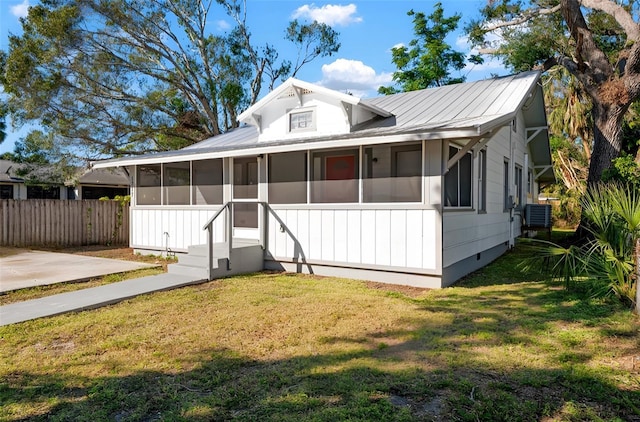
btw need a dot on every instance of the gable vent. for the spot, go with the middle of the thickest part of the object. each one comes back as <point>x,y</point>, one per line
<point>291,92</point>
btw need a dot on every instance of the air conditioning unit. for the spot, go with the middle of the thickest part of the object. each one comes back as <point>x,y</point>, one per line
<point>538,216</point>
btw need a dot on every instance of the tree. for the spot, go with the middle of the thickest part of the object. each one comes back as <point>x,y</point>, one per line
<point>568,109</point>
<point>3,124</point>
<point>596,41</point>
<point>429,60</point>
<point>3,107</point>
<point>106,78</point>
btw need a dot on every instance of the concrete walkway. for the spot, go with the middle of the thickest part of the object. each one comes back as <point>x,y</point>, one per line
<point>94,297</point>
<point>20,268</point>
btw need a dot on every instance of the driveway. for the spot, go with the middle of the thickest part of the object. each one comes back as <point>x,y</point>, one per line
<point>21,268</point>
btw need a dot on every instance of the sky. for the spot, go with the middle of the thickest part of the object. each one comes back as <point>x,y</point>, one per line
<point>368,30</point>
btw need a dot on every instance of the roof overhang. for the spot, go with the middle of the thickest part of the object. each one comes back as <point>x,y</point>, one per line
<point>342,141</point>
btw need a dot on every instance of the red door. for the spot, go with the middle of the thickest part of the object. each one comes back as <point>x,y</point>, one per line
<point>340,173</point>
<point>341,167</point>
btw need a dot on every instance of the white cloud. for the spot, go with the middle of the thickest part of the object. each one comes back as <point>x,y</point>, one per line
<point>491,65</point>
<point>331,14</point>
<point>222,25</point>
<point>353,76</point>
<point>20,10</point>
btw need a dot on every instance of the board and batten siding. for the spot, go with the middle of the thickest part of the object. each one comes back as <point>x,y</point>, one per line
<point>402,238</point>
<point>183,226</point>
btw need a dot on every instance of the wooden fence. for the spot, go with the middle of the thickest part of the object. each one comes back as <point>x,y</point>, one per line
<point>50,222</point>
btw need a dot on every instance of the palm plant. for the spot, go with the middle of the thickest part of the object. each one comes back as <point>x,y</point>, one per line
<point>607,261</point>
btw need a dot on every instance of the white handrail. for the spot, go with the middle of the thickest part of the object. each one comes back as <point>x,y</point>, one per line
<point>229,234</point>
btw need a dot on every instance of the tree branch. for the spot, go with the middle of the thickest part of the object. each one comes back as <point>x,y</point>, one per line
<point>530,14</point>
<point>624,18</point>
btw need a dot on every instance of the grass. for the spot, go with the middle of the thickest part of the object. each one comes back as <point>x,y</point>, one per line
<point>502,345</point>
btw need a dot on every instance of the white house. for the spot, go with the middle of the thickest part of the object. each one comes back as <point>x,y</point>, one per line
<point>418,188</point>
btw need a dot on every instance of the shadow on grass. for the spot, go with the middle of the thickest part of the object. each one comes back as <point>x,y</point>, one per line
<point>303,388</point>
<point>432,372</point>
<point>487,350</point>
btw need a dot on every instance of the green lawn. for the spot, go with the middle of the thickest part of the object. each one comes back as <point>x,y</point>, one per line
<point>501,345</point>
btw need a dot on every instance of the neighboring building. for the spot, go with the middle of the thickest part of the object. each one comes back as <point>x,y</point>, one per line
<point>417,188</point>
<point>10,183</point>
<point>89,184</point>
<point>101,183</point>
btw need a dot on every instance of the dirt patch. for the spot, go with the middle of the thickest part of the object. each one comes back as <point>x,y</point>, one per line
<point>5,252</point>
<point>409,291</point>
<point>122,253</point>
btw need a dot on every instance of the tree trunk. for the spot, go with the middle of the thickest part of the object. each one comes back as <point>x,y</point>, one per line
<point>607,137</point>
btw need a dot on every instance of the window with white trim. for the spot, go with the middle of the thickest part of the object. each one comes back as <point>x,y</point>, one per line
<point>508,200</point>
<point>302,121</point>
<point>519,192</point>
<point>458,180</point>
<point>482,180</point>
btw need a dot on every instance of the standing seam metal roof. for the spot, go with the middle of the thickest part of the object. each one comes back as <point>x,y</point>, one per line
<point>479,105</point>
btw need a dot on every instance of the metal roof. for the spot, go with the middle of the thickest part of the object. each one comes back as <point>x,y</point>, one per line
<point>105,176</point>
<point>8,172</point>
<point>454,111</point>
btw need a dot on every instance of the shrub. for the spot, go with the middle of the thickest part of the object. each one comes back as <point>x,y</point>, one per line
<point>606,262</point>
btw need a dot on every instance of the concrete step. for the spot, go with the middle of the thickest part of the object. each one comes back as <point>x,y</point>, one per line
<point>193,260</point>
<point>199,273</point>
<point>219,249</point>
<point>200,250</point>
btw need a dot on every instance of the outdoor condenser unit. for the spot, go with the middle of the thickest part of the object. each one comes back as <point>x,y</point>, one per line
<point>538,215</point>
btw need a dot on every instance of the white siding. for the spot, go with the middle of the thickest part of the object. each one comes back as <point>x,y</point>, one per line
<point>467,233</point>
<point>329,115</point>
<point>381,237</point>
<point>184,226</point>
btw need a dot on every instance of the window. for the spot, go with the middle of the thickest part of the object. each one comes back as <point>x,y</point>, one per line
<point>288,178</point>
<point>301,121</point>
<point>207,182</point>
<point>148,178</point>
<point>508,201</point>
<point>43,192</point>
<point>519,196</point>
<point>97,192</point>
<point>6,191</point>
<point>482,180</point>
<point>176,180</point>
<point>392,173</point>
<point>457,181</point>
<point>335,176</point>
